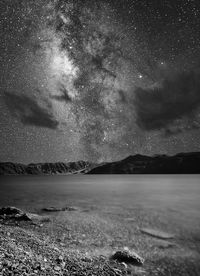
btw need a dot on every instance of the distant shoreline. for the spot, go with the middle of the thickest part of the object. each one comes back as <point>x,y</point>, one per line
<point>182,163</point>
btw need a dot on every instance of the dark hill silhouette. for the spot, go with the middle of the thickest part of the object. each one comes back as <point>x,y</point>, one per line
<point>182,163</point>
<point>9,168</point>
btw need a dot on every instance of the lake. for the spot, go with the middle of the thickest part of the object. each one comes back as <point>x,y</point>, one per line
<point>168,197</point>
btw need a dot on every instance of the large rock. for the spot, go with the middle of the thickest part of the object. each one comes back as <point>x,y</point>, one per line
<point>13,213</point>
<point>128,257</point>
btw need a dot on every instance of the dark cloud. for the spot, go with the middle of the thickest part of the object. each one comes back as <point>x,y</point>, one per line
<point>160,107</point>
<point>29,111</point>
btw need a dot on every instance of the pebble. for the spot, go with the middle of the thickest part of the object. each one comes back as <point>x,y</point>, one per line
<point>57,268</point>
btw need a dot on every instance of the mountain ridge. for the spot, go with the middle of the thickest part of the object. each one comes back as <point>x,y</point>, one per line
<point>181,163</point>
<point>9,168</point>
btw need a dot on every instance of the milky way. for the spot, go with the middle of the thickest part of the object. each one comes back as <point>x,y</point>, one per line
<point>98,80</point>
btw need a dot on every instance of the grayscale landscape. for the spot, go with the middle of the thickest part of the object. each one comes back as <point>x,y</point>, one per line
<point>99,138</point>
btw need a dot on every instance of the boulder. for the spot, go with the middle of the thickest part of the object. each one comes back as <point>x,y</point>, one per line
<point>9,211</point>
<point>13,213</point>
<point>128,257</point>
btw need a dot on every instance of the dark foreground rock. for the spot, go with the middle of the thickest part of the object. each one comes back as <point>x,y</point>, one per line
<point>14,214</point>
<point>128,257</point>
<point>9,212</point>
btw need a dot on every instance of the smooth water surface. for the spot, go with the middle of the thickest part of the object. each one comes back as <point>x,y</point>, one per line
<point>178,193</point>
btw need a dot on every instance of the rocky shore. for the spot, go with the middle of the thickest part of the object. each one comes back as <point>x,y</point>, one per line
<point>33,244</point>
<point>25,251</point>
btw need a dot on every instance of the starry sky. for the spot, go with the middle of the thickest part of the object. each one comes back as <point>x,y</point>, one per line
<point>98,80</point>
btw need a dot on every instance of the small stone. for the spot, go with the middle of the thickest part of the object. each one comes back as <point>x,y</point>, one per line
<point>166,245</point>
<point>124,265</point>
<point>69,208</point>
<point>52,209</point>
<point>86,259</point>
<point>57,268</point>
<point>59,209</point>
<point>38,266</point>
<point>117,271</point>
<point>59,260</point>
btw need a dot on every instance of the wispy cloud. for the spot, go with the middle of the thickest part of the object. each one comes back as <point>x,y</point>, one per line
<point>29,111</point>
<point>176,98</point>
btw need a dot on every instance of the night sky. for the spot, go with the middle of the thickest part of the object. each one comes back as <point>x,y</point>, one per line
<point>98,80</point>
